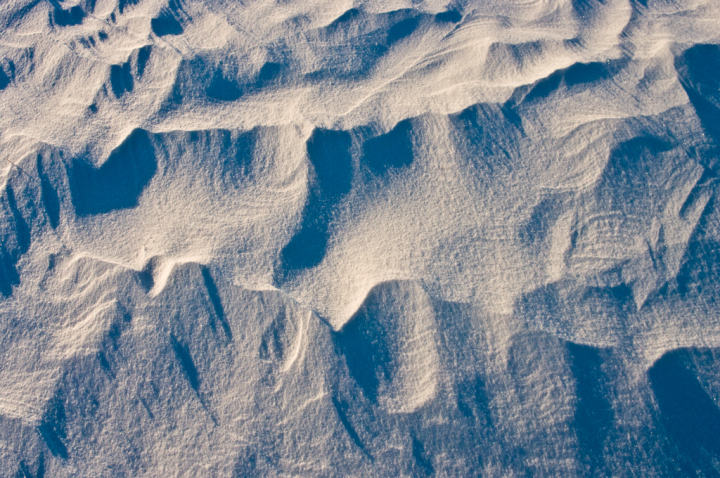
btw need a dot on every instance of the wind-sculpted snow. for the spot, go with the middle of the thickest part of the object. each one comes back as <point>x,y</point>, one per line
<point>382,238</point>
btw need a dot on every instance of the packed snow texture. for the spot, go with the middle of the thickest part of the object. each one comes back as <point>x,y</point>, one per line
<point>382,238</point>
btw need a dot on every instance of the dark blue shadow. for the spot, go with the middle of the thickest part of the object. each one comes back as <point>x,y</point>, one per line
<point>52,428</point>
<point>15,243</point>
<point>48,195</point>
<point>22,228</point>
<point>699,72</point>
<point>329,153</point>
<point>393,149</point>
<point>119,182</point>
<point>168,21</point>
<point>4,79</point>
<point>187,363</point>
<point>472,400</point>
<point>270,73</point>
<point>121,79</point>
<point>574,76</point>
<point>594,415</point>
<point>402,30</point>
<point>688,413</point>
<point>341,407</point>
<point>123,4</point>
<point>422,460</point>
<point>216,302</point>
<point>223,89</point>
<point>488,136</point>
<point>366,341</point>
<point>24,470</point>
<point>450,16</point>
<point>143,55</point>
<point>9,276</point>
<point>166,24</point>
<point>71,16</point>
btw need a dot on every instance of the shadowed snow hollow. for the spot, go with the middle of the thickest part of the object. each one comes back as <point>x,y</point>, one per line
<point>379,238</point>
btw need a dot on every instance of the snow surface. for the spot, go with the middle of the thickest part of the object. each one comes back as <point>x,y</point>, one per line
<point>382,238</point>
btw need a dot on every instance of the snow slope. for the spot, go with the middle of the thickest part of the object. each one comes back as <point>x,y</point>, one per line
<point>382,238</point>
